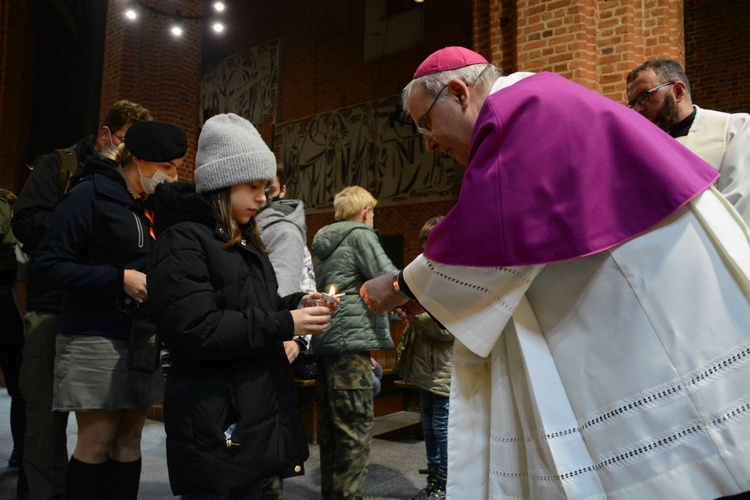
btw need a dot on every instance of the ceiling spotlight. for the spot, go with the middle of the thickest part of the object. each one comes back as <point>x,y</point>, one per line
<point>134,9</point>
<point>130,12</point>
<point>177,25</point>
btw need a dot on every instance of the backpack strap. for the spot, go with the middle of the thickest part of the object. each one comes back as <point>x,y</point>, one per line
<point>68,166</point>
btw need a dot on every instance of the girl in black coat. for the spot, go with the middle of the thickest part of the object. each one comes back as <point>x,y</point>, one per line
<point>230,408</point>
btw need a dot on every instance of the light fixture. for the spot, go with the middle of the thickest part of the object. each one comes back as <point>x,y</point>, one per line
<point>178,19</point>
<point>177,24</point>
<point>131,12</point>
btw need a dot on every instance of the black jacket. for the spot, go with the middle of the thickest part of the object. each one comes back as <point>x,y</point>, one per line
<point>218,312</point>
<point>96,232</point>
<point>33,211</point>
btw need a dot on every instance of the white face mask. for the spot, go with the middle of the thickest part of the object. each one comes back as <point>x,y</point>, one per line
<point>149,183</point>
<point>112,146</point>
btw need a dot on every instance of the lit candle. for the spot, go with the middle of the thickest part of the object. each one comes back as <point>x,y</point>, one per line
<point>330,296</point>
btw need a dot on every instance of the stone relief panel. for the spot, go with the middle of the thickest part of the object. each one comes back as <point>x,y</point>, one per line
<point>369,145</point>
<point>244,84</point>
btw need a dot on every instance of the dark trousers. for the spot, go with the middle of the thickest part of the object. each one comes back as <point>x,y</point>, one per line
<point>11,353</point>
<point>46,442</point>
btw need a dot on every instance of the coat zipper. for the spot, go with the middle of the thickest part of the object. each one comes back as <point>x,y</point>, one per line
<point>140,229</point>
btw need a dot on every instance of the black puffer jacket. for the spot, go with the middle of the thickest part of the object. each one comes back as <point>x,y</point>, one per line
<point>218,312</point>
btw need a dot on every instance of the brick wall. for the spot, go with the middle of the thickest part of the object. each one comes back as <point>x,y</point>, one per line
<point>591,42</point>
<point>349,81</point>
<point>717,46</point>
<point>146,64</point>
<point>322,65</point>
<point>495,32</point>
<point>17,46</point>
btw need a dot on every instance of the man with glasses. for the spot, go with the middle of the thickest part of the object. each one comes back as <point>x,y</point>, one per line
<point>45,451</point>
<point>596,286</point>
<point>660,91</point>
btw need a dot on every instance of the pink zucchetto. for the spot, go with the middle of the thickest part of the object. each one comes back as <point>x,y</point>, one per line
<point>447,59</point>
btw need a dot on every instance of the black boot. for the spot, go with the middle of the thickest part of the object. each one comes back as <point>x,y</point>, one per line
<point>123,479</point>
<point>85,481</point>
<point>438,491</point>
<point>425,492</point>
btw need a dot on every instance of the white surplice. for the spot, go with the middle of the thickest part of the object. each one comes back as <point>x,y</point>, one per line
<point>723,141</point>
<point>623,374</point>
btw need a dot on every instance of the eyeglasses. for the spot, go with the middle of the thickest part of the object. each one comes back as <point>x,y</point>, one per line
<point>113,134</point>
<point>643,97</point>
<point>422,126</point>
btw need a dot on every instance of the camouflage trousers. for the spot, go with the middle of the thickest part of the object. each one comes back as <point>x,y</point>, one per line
<point>344,391</point>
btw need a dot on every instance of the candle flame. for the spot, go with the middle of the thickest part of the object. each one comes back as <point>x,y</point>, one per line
<point>332,291</point>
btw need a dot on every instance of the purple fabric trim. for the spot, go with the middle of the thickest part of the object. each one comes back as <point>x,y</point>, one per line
<point>556,172</point>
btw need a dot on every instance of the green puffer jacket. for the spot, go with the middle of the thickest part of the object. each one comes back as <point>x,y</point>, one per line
<point>349,253</point>
<point>424,355</point>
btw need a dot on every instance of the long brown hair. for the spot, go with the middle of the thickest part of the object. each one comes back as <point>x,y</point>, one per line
<point>221,201</point>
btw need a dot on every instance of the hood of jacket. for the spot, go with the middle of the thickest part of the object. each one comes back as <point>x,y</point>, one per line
<point>178,202</point>
<point>328,239</point>
<point>95,164</point>
<point>283,210</point>
<point>107,178</point>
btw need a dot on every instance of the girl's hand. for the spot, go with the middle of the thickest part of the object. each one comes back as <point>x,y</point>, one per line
<point>134,283</point>
<point>292,349</point>
<point>311,320</point>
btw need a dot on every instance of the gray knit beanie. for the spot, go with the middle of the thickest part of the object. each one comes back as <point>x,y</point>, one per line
<point>231,152</point>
